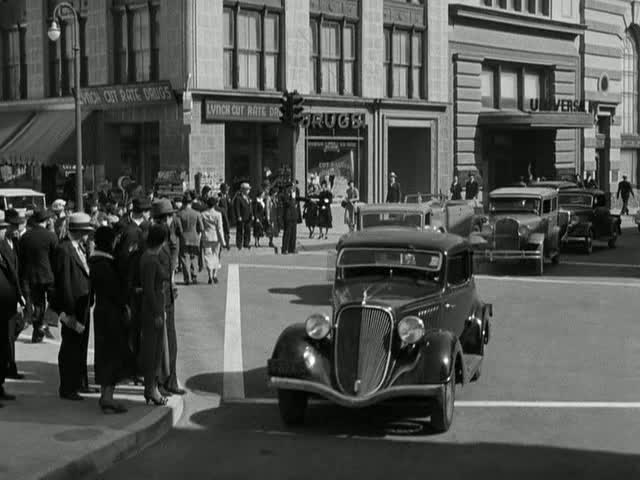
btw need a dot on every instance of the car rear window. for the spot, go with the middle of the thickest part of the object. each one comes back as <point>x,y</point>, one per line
<point>28,202</point>
<point>420,260</point>
<point>391,219</point>
<point>575,200</point>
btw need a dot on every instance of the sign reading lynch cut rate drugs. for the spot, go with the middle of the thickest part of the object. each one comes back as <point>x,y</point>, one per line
<point>127,95</point>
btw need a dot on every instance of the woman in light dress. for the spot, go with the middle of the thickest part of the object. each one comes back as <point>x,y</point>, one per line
<point>212,239</point>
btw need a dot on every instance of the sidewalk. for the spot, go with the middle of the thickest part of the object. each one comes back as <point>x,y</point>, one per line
<point>44,437</point>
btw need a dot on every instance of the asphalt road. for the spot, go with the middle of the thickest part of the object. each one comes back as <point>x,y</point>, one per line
<point>558,397</point>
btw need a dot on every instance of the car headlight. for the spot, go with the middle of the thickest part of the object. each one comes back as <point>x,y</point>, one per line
<point>574,220</point>
<point>411,329</point>
<point>523,231</point>
<point>318,326</point>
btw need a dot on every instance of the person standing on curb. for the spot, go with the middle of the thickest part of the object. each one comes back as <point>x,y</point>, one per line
<point>242,209</point>
<point>223,208</point>
<point>456,189</point>
<point>290,220</point>
<point>212,239</point>
<point>37,249</point>
<point>9,253</point>
<point>73,289</point>
<point>625,190</point>
<point>471,188</point>
<point>163,214</point>
<point>191,228</point>
<point>394,192</point>
<point>9,301</point>
<point>349,203</point>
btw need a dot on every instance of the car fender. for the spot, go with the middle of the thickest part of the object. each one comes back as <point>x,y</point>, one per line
<point>439,353</point>
<point>296,355</point>
<point>536,239</point>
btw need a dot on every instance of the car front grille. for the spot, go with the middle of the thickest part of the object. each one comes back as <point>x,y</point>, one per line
<point>506,235</point>
<point>363,347</point>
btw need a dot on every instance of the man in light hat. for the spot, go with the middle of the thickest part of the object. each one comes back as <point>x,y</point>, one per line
<point>72,301</point>
<point>59,215</point>
<point>37,250</point>
<point>163,212</point>
<point>10,301</point>
<point>394,192</point>
<point>244,217</point>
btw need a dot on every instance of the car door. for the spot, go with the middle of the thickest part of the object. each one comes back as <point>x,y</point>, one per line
<point>457,300</point>
<point>601,216</point>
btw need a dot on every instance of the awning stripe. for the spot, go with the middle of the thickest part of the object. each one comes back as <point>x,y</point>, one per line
<point>11,124</point>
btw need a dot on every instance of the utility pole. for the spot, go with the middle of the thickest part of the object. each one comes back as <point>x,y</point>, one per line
<point>291,115</point>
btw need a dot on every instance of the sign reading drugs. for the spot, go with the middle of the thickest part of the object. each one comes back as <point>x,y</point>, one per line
<point>127,95</point>
<point>333,120</point>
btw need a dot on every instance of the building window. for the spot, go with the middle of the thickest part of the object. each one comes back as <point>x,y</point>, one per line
<point>136,36</point>
<point>13,58</point>
<point>333,56</point>
<point>531,7</point>
<point>513,86</point>
<point>404,75</point>
<point>630,86</point>
<point>251,48</point>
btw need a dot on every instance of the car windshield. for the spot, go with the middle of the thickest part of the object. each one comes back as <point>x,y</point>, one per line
<point>515,204</point>
<point>395,219</point>
<point>575,200</point>
<point>374,263</point>
<point>25,201</point>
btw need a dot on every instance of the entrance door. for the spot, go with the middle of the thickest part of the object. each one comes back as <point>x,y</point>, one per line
<point>409,156</point>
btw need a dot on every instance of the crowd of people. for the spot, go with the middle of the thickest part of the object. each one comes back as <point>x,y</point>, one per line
<point>121,261</point>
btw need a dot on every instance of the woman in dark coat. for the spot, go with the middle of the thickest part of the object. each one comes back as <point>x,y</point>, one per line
<point>260,224</point>
<point>325,199</point>
<point>155,359</point>
<point>109,318</point>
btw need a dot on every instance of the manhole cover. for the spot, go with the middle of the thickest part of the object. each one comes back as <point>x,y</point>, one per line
<point>403,428</point>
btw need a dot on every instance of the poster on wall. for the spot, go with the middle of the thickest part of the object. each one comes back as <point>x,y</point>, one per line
<point>334,162</point>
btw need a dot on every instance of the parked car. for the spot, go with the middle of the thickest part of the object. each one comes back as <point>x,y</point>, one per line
<point>451,216</point>
<point>406,323</point>
<point>522,225</point>
<point>588,218</point>
<point>22,199</point>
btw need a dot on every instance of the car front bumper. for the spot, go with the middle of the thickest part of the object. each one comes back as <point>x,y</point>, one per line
<point>402,391</point>
<point>497,255</point>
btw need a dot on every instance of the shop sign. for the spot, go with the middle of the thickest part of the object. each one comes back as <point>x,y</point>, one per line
<point>333,120</point>
<point>560,105</point>
<point>215,111</point>
<point>127,95</point>
<point>630,141</point>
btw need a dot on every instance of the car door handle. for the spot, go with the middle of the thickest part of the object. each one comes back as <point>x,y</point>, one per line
<point>449,306</point>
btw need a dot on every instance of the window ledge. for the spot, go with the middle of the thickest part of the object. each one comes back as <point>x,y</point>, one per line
<point>514,19</point>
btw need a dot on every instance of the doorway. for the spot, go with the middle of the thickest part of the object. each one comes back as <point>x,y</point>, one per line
<point>409,157</point>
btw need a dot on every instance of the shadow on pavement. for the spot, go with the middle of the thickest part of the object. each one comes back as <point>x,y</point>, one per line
<point>317,295</point>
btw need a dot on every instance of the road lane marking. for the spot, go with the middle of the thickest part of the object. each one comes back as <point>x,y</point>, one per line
<point>481,404</point>
<point>594,264</point>
<point>233,379</point>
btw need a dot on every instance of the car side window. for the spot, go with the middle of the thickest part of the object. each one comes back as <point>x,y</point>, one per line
<point>600,201</point>
<point>458,269</point>
<point>546,206</point>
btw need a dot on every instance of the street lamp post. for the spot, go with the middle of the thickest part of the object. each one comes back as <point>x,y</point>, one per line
<point>54,35</point>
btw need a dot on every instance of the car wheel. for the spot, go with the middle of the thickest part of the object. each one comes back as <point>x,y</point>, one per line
<point>478,374</point>
<point>612,241</point>
<point>556,258</point>
<point>292,404</point>
<point>588,243</point>
<point>540,264</point>
<point>442,414</point>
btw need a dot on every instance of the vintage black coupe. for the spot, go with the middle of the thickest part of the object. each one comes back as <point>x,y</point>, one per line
<point>407,324</point>
<point>588,218</point>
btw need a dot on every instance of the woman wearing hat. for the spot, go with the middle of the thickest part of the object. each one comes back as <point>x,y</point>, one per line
<point>212,238</point>
<point>109,316</point>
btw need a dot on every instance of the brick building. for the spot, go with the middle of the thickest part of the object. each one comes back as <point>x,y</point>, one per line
<point>374,74</point>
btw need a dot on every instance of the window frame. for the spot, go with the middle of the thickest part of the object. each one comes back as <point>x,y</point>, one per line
<point>468,273</point>
<point>13,66</point>
<point>235,8</point>
<point>415,92</point>
<point>543,73</point>
<point>541,8</point>
<point>318,58</point>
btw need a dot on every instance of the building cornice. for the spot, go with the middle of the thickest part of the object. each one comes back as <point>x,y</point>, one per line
<point>523,23</point>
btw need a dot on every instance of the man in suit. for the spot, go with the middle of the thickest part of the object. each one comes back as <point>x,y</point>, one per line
<point>456,189</point>
<point>244,217</point>
<point>394,193</point>
<point>162,212</point>
<point>9,254</point>
<point>191,228</point>
<point>37,249</point>
<point>471,188</point>
<point>224,207</point>
<point>72,299</point>
<point>9,300</point>
<point>290,219</point>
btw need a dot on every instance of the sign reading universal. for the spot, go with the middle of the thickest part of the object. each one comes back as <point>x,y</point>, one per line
<point>561,105</point>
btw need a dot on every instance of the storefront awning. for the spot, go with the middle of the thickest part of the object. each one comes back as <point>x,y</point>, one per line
<point>543,120</point>
<point>37,139</point>
<point>11,123</point>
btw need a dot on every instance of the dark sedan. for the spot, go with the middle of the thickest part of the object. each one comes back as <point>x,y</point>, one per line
<point>407,323</point>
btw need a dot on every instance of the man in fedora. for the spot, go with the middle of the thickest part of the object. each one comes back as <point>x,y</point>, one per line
<point>191,228</point>
<point>162,212</point>
<point>37,249</point>
<point>394,192</point>
<point>244,217</point>
<point>625,189</point>
<point>10,301</point>
<point>72,301</point>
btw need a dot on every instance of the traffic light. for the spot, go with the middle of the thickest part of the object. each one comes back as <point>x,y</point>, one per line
<point>297,108</point>
<point>286,111</point>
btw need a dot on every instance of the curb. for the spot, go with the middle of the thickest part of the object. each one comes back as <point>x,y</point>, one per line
<point>138,436</point>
